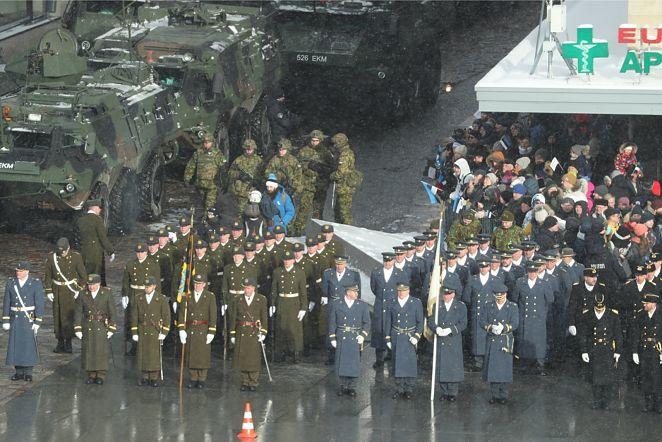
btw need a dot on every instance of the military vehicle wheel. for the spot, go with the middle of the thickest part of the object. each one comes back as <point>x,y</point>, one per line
<point>260,130</point>
<point>151,186</point>
<point>124,204</point>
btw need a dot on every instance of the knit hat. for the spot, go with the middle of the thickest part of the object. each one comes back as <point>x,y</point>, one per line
<point>550,221</point>
<point>601,190</point>
<point>518,188</point>
<point>610,212</point>
<point>640,229</point>
<point>494,179</point>
<point>460,150</point>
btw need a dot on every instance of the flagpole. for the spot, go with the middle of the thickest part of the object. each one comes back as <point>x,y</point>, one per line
<point>435,282</point>
<point>189,264</point>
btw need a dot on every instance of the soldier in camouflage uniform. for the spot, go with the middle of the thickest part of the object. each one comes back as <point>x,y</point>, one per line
<point>205,166</point>
<point>286,167</point>
<point>243,174</point>
<point>315,163</point>
<point>508,233</point>
<point>462,229</point>
<point>347,179</point>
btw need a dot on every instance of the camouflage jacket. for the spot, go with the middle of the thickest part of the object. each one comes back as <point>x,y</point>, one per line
<point>462,232</point>
<point>502,238</point>
<point>345,170</point>
<point>314,161</point>
<point>205,166</point>
<point>288,171</point>
<point>246,165</point>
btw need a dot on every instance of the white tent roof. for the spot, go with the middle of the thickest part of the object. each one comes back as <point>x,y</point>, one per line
<point>508,87</point>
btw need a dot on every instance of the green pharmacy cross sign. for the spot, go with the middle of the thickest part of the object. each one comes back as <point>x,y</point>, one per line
<point>585,49</point>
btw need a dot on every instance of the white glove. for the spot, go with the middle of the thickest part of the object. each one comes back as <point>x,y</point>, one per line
<point>172,236</point>
<point>324,300</point>
<point>311,306</point>
<point>210,338</point>
<point>360,339</point>
<point>585,357</point>
<point>224,307</point>
<point>112,257</point>
<point>182,336</point>
<point>635,358</point>
<point>261,337</point>
<point>76,295</point>
<point>233,340</point>
<point>660,358</point>
<point>495,329</point>
<point>79,335</point>
<point>301,314</point>
<point>413,341</point>
<point>6,326</point>
<point>334,343</point>
<point>35,328</point>
<point>272,310</point>
<point>174,306</point>
<point>109,335</point>
<point>439,331</point>
<point>125,302</point>
<point>572,330</point>
<point>617,356</point>
<point>135,338</point>
<point>499,328</point>
<point>161,336</point>
<point>389,345</point>
<point>445,331</point>
<point>51,297</point>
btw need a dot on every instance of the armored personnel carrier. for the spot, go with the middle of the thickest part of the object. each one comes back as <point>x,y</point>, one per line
<point>386,52</point>
<point>67,137</point>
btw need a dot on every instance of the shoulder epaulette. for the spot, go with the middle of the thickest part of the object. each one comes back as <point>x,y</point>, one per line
<point>599,283</point>
<point>585,311</point>
<point>614,311</point>
<point>575,283</point>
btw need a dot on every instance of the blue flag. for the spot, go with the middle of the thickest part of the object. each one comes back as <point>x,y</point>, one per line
<point>431,192</point>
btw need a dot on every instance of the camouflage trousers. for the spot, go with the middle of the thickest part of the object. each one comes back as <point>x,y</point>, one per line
<point>319,200</point>
<point>343,208</point>
<point>240,191</point>
<point>304,212</point>
<point>208,195</point>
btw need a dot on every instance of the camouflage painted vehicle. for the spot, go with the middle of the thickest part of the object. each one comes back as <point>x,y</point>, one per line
<point>66,137</point>
<point>386,51</point>
<point>218,61</point>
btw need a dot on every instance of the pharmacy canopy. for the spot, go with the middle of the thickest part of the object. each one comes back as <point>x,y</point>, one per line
<point>616,51</point>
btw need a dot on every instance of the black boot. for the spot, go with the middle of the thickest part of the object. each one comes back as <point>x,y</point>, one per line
<point>67,346</point>
<point>59,348</point>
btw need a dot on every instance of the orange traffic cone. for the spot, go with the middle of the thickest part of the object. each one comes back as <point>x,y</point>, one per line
<point>247,429</point>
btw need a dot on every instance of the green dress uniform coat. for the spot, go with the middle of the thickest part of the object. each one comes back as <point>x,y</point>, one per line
<point>498,366</point>
<point>22,346</point>
<point>200,320</point>
<point>135,274</point>
<point>345,325</point>
<point>401,324</point>
<point>147,321</point>
<point>289,295</point>
<point>533,304</point>
<point>65,285</point>
<point>246,322</point>
<point>95,317</point>
<point>233,281</point>
<point>450,366</point>
<point>92,236</point>
<point>166,270</point>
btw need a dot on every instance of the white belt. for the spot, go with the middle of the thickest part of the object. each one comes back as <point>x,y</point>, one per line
<point>288,295</point>
<point>22,309</point>
<point>137,287</point>
<point>236,292</point>
<point>219,273</point>
<point>64,283</point>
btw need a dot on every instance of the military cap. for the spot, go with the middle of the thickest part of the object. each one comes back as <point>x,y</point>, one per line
<point>237,225</point>
<point>532,267</point>
<point>484,237</point>
<point>507,254</point>
<point>402,287</point>
<point>567,251</point>
<point>340,258</point>
<point>482,261</point>
<point>249,144</point>
<point>656,256</point>
<point>419,240</point>
<point>184,221</point>
<point>650,297</point>
<point>222,230</point>
<point>250,281</point>
<point>388,256</point>
<point>297,247</point>
<point>590,271</point>
<point>321,239</point>
<point>152,240</point>
<point>352,287</point>
<point>650,267</point>
<point>472,241</point>
<point>639,270</point>
<point>460,245</point>
<point>317,134</point>
<point>599,301</point>
<point>207,137</point>
<point>468,214</point>
<point>311,241</point>
<point>213,211</point>
<point>528,245</point>
<point>140,247</point>
<point>93,278</point>
<point>150,280</point>
<point>237,251</point>
<point>430,234</point>
<point>284,143</point>
<point>170,228</point>
<point>538,260</point>
<point>268,235</point>
<point>499,288</point>
<point>200,278</point>
<point>288,255</point>
<point>507,216</point>
<point>279,230</point>
<point>511,251</point>
<point>496,258</point>
<point>434,224</point>
<point>451,255</point>
<point>200,244</point>
<point>408,245</point>
<point>448,289</point>
<point>213,237</point>
<point>339,138</point>
<point>162,232</point>
<point>399,250</point>
<point>249,246</point>
<point>327,228</point>
<point>551,255</point>
<point>93,203</point>
<point>257,239</point>
<point>62,244</point>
